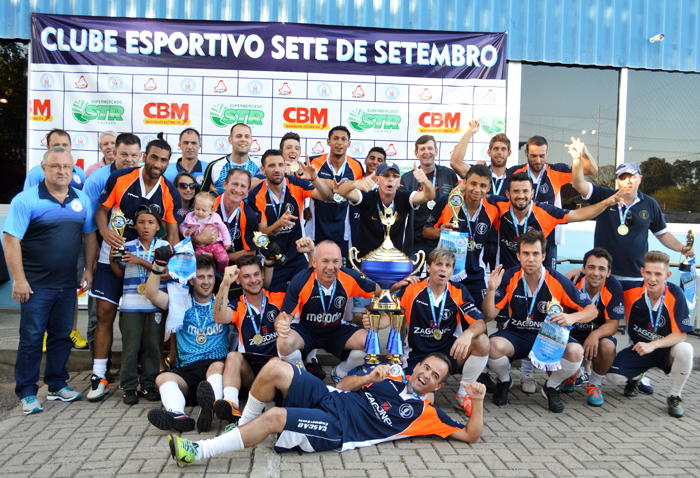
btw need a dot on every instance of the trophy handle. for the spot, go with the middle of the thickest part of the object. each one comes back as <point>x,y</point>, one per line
<point>352,254</point>
<point>420,259</point>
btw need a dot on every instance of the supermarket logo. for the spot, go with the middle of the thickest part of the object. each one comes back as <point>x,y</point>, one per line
<point>378,120</point>
<point>306,118</point>
<point>40,110</point>
<point>433,122</point>
<point>83,112</point>
<point>115,83</point>
<point>493,125</point>
<point>223,116</point>
<point>167,114</point>
<point>46,80</point>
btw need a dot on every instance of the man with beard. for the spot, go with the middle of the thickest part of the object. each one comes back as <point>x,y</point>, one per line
<point>241,139</point>
<point>125,191</point>
<point>190,143</point>
<point>108,149</point>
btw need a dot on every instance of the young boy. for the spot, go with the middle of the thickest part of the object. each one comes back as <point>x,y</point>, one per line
<point>140,320</point>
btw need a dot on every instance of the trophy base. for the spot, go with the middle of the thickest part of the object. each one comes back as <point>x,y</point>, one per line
<point>394,359</point>
<point>281,259</point>
<point>119,256</point>
<point>372,359</point>
<point>683,267</point>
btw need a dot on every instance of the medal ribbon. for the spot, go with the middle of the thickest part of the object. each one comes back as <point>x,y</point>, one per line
<point>539,180</point>
<point>475,217</point>
<point>277,207</point>
<point>146,256</point>
<point>256,327</point>
<point>526,288</point>
<point>332,169</point>
<point>502,179</point>
<point>623,216</point>
<point>431,298</point>
<point>236,214</point>
<point>654,323</point>
<point>196,306</point>
<point>515,221</point>
<point>323,302</point>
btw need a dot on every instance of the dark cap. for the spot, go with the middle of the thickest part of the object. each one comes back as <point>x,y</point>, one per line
<point>152,209</point>
<point>384,167</point>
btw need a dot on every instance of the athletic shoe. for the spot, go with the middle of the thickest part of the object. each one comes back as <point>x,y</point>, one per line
<point>315,369</point>
<point>500,396</point>
<point>30,405</point>
<point>98,389</point>
<point>552,396</point>
<point>46,335</point>
<point>182,450</point>
<point>595,396</point>
<point>227,410</point>
<point>167,420</point>
<point>464,403</point>
<point>569,384</point>
<point>528,384</point>
<point>582,378</point>
<point>632,387</point>
<point>151,394</point>
<point>131,397</point>
<point>66,394</point>
<point>485,379</point>
<point>675,409</point>
<point>335,376</point>
<point>78,341</point>
<point>645,386</point>
<point>361,370</point>
<point>205,399</point>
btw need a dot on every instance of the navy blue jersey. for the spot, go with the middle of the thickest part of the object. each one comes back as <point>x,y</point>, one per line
<point>610,303</point>
<point>372,230</point>
<point>265,324</point>
<point>241,224</point>
<point>552,178</point>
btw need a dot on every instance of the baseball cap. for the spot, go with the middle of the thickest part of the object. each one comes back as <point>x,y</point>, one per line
<point>625,168</point>
<point>384,167</point>
<point>152,209</point>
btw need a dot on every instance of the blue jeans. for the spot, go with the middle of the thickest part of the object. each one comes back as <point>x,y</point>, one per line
<point>49,310</point>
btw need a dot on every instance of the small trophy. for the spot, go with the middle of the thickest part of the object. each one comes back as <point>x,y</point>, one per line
<point>372,343</point>
<point>554,307</point>
<point>455,201</point>
<point>689,240</point>
<point>118,222</point>
<point>261,240</point>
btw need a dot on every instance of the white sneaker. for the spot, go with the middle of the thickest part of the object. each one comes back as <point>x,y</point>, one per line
<point>528,384</point>
<point>99,387</point>
<point>30,405</point>
<point>66,394</point>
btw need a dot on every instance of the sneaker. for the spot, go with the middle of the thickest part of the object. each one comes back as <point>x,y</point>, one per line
<point>552,396</point>
<point>335,376</point>
<point>98,389</point>
<point>582,378</point>
<point>30,405</point>
<point>66,394</point>
<point>485,378</point>
<point>569,384</point>
<point>315,369</point>
<point>131,397</point>
<point>46,336</point>
<point>528,384</point>
<point>500,395</point>
<point>645,386</point>
<point>595,396</point>
<point>151,394</point>
<point>205,399</point>
<point>464,403</point>
<point>78,341</point>
<point>182,450</point>
<point>675,409</point>
<point>632,387</point>
<point>167,420</point>
<point>227,410</point>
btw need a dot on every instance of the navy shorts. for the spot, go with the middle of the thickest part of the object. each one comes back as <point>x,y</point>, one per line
<point>106,285</point>
<point>313,423</point>
<point>582,335</point>
<point>522,342</point>
<point>477,289</point>
<point>413,359</point>
<point>283,274</point>
<point>332,339</point>
<point>629,363</point>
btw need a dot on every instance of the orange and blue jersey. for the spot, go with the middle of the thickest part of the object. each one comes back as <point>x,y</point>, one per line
<point>241,224</point>
<point>269,210</point>
<point>265,323</point>
<point>552,178</point>
<point>610,304</point>
<point>303,296</point>
<point>555,286</point>
<point>675,316</point>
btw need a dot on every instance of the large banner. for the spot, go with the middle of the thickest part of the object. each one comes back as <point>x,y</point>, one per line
<point>92,74</point>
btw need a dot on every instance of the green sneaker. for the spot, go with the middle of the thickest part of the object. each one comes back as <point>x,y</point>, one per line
<point>183,451</point>
<point>595,396</point>
<point>230,427</point>
<point>675,409</point>
<point>632,387</point>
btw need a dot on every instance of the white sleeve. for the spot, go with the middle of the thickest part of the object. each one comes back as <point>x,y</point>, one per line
<point>410,200</point>
<point>359,200</point>
<point>588,195</point>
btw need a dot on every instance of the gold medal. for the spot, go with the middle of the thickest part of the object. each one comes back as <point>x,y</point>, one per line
<point>141,289</point>
<point>472,245</point>
<point>623,230</point>
<point>328,318</point>
<point>437,334</point>
<point>654,337</point>
<point>294,166</point>
<point>201,339</point>
<point>257,339</point>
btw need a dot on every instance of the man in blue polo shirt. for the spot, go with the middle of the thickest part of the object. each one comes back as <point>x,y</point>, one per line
<point>42,241</point>
<point>190,143</point>
<point>56,137</point>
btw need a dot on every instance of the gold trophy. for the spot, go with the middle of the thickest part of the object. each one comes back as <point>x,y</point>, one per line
<point>261,240</point>
<point>455,201</point>
<point>386,266</point>
<point>689,240</point>
<point>118,223</point>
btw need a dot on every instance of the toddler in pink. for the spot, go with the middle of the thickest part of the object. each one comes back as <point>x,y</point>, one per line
<point>204,216</point>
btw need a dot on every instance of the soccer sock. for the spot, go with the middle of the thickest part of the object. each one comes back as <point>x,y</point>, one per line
<point>355,359</point>
<point>526,367</point>
<point>294,358</point>
<point>500,368</point>
<point>217,383</point>
<point>231,394</point>
<point>311,356</point>
<point>253,409</point>
<point>470,372</point>
<point>567,370</point>
<point>682,365</point>
<point>172,397</point>
<point>231,441</point>
<point>99,367</point>
<point>595,379</point>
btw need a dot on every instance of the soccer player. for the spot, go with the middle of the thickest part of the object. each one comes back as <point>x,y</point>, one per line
<point>597,337</point>
<point>241,139</point>
<point>315,418</point>
<point>527,289</point>
<point>658,322</point>
<point>190,144</point>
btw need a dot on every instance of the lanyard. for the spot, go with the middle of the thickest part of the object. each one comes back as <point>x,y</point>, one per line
<point>434,177</point>
<point>396,370</point>
<point>342,171</point>
<point>539,180</point>
<point>655,323</point>
<point>228,219</point>
<point>321,296</point>
<point>277,207</point>
<point>515,220</point>
<point>438,321</point>
<point>256,327</point>
<point>210,308</point>
<point>476,218</point>
<point>146,256</point>
<point>526,288</point>
<point>623,216</point>
<point>496,191</point>
<point>596,297</point>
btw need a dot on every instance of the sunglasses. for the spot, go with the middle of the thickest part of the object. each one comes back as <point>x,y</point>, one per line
<point>187,186</point>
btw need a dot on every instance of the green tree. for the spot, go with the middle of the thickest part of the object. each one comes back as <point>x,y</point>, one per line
<point>656,174</point>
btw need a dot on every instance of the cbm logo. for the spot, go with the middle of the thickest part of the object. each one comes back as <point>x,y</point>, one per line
<point>46,81</point>
<point>221,144</point>
<point>391,93</point>
<point>80,141</point>
<point>255,88</point>
<point>188,85</point>
<point>324,90</point>
<point>115,83</point>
